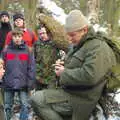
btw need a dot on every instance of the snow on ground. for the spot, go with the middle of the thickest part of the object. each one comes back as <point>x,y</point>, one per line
<point>117,97</point>
<point>97,27</point>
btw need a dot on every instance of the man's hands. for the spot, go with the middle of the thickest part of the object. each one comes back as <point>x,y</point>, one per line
<point>59,67</point>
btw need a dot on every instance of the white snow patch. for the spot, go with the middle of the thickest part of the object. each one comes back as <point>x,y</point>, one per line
<point>117,97</point>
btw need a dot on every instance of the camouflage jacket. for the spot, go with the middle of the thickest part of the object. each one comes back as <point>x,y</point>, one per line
<point>46,54</point>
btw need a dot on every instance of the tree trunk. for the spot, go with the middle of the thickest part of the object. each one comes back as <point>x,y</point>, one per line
<point>93,8</point>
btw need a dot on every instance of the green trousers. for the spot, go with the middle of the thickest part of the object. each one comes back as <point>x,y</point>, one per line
<point>52,105</point>
<point>56,104</point>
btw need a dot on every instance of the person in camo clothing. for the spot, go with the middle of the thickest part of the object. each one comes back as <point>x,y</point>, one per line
<point>46,53</point>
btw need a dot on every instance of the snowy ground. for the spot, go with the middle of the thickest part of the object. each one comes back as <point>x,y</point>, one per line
<point>117,97</point>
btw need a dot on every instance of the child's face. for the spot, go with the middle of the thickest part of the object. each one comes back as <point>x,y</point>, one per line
<point>17,39</point>
<point>2,71</point>
<point>19,23</point>
<point>43,34</point>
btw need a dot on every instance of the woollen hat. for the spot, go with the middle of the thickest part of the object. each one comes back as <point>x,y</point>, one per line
<point>18,15</point>
<point>75,21</point>
<point>4,13</point>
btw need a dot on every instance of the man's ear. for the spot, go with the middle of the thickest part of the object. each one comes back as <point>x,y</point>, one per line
<point>85,29</point>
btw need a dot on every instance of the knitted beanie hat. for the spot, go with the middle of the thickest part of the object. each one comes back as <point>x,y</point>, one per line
<point>4,13</point>
<point>18,15</point>
<point>75,21</point>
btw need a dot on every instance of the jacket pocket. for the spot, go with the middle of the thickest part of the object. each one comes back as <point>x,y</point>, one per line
<point>76,61</point>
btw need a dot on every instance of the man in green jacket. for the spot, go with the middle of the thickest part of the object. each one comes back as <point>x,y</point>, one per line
<point>46,53</point>
<point>82,77</point>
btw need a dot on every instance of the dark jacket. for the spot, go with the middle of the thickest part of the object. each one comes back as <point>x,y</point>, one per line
<point>19,66</point>
<point>4,29</point>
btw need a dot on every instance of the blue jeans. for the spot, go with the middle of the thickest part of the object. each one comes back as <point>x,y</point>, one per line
<point>9,101</point>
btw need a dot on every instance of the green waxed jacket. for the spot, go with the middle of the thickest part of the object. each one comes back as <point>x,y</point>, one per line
<point>85,66</point>
<point>88,62</point>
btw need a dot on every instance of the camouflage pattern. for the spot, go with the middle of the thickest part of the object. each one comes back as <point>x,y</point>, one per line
<point>46,54</point>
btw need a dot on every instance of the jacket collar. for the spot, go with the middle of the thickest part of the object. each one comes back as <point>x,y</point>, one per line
<point>14,46</point>
<point>89,36</point>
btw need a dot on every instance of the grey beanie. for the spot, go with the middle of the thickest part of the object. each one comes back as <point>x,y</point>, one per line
<point>75,21</point>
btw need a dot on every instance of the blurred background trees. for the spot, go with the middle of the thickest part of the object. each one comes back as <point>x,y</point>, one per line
<point>27,7</point>
<point>107,12</point>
